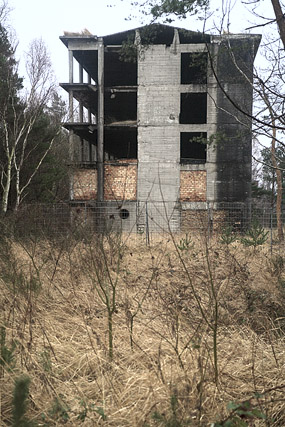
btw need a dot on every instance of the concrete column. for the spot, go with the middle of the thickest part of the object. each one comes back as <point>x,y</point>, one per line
<point>71,108</point>
<point>80,103</point>
<point>100,123</point>
<point>89,111</point>
<point>70,56</point>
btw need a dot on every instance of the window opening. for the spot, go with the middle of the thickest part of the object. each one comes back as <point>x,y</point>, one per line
<point>193,147</point>
<point>194,68</point>
<point>193,108</point>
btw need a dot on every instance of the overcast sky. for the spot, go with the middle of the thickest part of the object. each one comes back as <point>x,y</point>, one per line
<point>48,19</point>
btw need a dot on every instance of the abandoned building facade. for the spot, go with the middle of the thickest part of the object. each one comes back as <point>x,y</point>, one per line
<point>160,119</point>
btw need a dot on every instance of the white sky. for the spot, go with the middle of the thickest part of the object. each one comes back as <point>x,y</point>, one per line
<point>48,19</point>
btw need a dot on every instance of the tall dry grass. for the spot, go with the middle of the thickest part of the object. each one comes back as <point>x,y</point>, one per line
<point>162,369</point>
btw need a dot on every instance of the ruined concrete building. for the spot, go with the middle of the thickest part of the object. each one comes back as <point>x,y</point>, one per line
<point>160,119</point>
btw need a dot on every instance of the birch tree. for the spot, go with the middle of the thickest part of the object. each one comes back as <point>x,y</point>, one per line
<point>18,119</point>
<point>36,99</point>
<point>10,85</point>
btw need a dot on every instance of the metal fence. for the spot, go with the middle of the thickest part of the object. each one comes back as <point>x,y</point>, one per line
<point>143,218</point>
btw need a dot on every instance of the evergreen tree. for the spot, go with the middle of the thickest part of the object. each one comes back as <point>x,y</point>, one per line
<point>31,137</point>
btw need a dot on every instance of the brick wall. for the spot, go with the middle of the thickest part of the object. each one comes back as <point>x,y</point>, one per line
<point>120,181</point>
<point>193,186</point>
<point>194,220</point>
<point>203,220</point>
<point>85,184</point>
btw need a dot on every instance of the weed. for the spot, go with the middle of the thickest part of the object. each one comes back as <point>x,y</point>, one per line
<point>185,244</point>
<point>241,415</point>
<point>59,410</point>
<point>255,236</point>
<point>6,354</point>
<point>100,411</point>
<point>227,236</point>
<point>90,408</point>
<point>278,265</point>
<point>104,256</point>
<point>46,361</point>
<point>173,420</point>
<point>20,397</point>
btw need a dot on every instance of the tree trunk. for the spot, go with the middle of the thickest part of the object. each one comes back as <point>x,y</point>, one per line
<point>279,188</point>
<point>18,193</point>
<point>276,169</point>
<point>280,19</point>
<point>6,187</point>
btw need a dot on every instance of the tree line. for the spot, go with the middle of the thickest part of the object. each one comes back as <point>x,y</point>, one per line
<point>32,141</point>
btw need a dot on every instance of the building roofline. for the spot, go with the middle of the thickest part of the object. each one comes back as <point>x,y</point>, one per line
<point>158,34</point>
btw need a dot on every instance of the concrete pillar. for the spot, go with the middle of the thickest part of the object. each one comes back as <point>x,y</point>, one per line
<point>70,55</point>
<point>100,123</point>
<point>80,103</point>
<point>71,108</point>
<point>89,111</point>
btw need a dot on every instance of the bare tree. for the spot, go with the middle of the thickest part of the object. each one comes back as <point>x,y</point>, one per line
<point>280,19</point>
<point>19,118</point>
<point>42,86</point>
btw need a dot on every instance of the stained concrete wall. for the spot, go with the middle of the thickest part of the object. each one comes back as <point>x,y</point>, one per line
<point>230,165</point>
<point>158,118</point>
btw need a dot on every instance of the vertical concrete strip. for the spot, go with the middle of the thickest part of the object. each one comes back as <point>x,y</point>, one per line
<point>100,124</point>
<point>81,114</point>
<point>71,113</point>
<point>80,103</point>
<point>70,55</point>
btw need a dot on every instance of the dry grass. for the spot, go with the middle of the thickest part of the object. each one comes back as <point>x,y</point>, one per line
<point>50,307</point>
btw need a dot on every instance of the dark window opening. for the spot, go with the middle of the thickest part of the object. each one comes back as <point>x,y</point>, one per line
<point>124,213</point>
<point>193,147</point>
<point>119,72</point>
<point>194,68</point>
<point>120,107</point>
<point>193,108</point>
<point>121,144</point>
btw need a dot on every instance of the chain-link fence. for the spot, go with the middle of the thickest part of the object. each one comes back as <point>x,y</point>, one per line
<point>143,218</point>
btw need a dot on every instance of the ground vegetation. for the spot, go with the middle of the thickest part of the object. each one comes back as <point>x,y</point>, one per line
<point>196,326</point>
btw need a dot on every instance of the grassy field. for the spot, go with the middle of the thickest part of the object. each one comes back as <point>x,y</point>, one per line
<point>105,330</point>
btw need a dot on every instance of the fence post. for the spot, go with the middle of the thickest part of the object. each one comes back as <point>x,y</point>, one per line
<point>271,229</point>
<point>210,220</point>
<point>146,225</point>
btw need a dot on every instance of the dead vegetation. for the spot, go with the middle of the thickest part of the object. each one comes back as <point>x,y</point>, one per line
<point>197,331</point>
